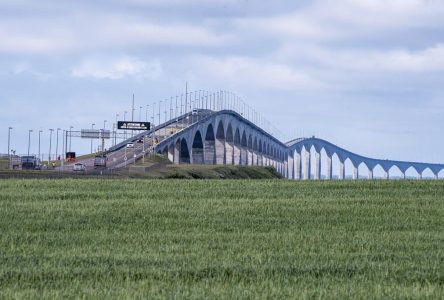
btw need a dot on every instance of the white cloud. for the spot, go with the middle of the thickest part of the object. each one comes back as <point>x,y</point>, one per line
<point>27,69</point>
<point>91,32</point>
<point>390,60</point>
<point>118,68</point>
<point>252,72</point>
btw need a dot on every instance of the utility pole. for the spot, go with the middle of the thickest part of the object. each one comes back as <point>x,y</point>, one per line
<point>103,136</point>
<point>132,111</point>
<point>186,96</point>
<point>29,140</point>
<point>40,131</point>
<point>70,136</point>
<point>124,119</point>
<point>57,144</point>
<point>92,128</point>
<point>50,140</point>
<point>9,145</point>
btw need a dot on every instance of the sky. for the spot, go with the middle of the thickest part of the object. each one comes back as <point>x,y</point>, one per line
<point>366,75</point>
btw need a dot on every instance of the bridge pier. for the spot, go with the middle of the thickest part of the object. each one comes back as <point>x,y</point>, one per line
<point>307,171</point>
<point>317,175</point>
<point>355,173</point>
<point>341,170</point>
<point>298,166</point>
<point>290,165</point>
<point>386,175</point>
<point>370,174</point>
<point>220,152</point>
<point>329,166</point>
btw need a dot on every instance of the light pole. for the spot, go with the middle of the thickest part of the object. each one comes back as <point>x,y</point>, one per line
<point>140,113</point>
<point>103,135</point>
<point>124,119</point>
<point>160,105</point>
<point>70,136</point>
<point>92,128</point>
<point>57,145</point>
<point>146,114</point>
<point>29,140</point>
<point>40,131</point>
<point>9,145</point>
<point>115,129</point>
<point>50,140</point>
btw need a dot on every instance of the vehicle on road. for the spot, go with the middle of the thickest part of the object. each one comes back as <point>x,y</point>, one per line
<point>130,145</point>
<point>78,167</point>
<point>100,161</point>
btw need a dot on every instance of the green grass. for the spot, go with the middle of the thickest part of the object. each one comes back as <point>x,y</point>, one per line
<point>221,239</point>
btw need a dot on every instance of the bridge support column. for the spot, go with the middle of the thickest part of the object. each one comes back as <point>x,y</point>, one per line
<point>386,175</point>
<point>436,176</point>
<point>370,174</point>
<point>317,174</point>
<point>307,171</point>
<point>298,166</point>
<point>355,173</point>
<point>329,174</point>
<point>254,162</point>
<point>171,153</point>
<point>341,170</point>
<point>419,176</point>
<point>403,175</point>
<point>290,167</point>
<point>177,153</point>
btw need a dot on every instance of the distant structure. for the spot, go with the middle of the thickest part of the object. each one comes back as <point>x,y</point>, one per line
<point>219,129</point>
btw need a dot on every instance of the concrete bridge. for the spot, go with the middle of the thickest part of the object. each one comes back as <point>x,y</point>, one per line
<point>227,137</point>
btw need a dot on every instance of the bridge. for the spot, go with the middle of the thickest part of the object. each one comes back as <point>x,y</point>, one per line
<point>218,129</point>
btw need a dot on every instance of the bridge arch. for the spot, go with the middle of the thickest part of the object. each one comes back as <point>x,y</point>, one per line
<point>229,145</point>
<point>184,152</point>
<point>237,147</point>
<point>428,173</point>
<point>260,153</point>
<point>197,149</point>
<point>244,145</point>
<point>210,146</point>
<point>250,150</point>
<point>220,144</point>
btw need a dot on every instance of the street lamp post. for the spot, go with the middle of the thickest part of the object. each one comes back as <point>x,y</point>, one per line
<point>103,135</point>
<point>92,128</point>
<point>124,119</point>
<point>115,130</point>
<point>40,131</point>
<point>29,140</point>
<point>50,140</point>
<point>57,144</point>
<point>70,136</point>
<point>9,145</point>
<point>140,113</point>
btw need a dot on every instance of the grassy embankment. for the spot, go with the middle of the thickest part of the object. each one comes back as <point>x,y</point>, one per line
<point>156,167</point>
<point>221,239</point>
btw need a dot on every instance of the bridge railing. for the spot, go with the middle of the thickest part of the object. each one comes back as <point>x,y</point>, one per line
<point>193,103</point>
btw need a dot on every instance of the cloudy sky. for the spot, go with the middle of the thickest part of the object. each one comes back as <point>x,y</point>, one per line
<point>365,74</point>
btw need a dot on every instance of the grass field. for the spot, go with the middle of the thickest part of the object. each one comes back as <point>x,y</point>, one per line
<point>221,239</point>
